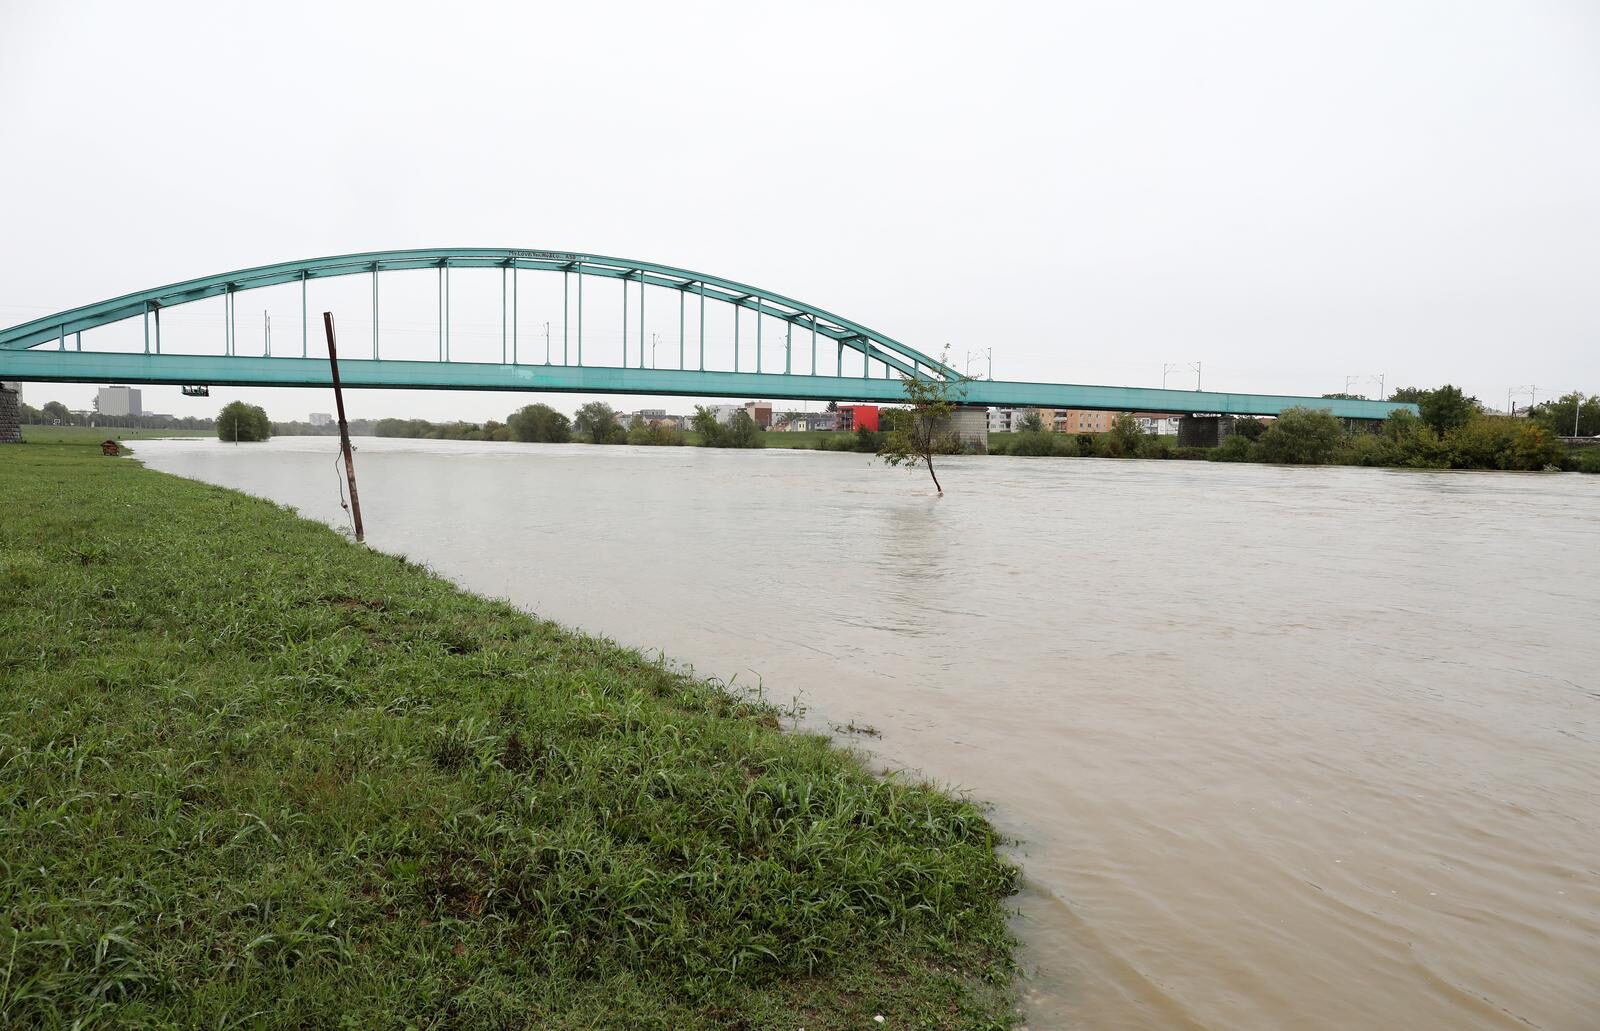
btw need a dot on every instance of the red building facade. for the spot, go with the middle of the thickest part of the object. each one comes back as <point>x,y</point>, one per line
<point>854,417</point>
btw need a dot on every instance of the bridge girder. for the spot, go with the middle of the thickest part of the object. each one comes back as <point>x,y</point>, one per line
<point>49,364</point>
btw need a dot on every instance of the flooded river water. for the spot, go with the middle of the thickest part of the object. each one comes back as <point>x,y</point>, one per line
<point>1283,748</point>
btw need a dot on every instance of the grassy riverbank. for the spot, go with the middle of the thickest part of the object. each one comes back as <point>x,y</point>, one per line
<point>95,434</point>
<point>257,776</point>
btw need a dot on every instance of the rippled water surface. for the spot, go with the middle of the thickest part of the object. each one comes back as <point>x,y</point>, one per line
<point>1285,748</point>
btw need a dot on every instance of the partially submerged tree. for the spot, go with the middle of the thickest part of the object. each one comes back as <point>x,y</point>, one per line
<point>241,422</point>
<point>540,424</point>
<point>597,421</point>
<point>918,438</point>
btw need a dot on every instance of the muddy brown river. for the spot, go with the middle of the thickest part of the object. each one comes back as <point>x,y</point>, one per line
<point>1282,748</point>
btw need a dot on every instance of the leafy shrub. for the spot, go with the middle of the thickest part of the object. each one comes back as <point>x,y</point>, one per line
<point>1232,449</point>
<point>1368,449</point>
<point>661,435</point>
<point>1033,444</point>
<point>537,423</point>
<point>1153,446</point>
<point>1301,436</point>
<point>1249,428</point>
<point>1532,448</point>
<point>1499,442</point>
<point>741,431</point>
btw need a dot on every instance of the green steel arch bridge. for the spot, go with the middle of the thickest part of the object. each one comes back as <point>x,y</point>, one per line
<point>825,356</point>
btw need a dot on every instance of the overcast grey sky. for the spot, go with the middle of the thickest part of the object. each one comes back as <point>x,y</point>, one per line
<point>1289,193</point>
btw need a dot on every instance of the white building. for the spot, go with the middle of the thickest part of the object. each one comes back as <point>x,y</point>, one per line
<point>118,401</point>
<point>1006,420</point>
<point>1160,423</point>
<point>725,413</point>
<point>321,418</point>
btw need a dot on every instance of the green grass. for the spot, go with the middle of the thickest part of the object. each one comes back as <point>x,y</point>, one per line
<point>257,776</point>
<point>93,435</point>
<point>799,439</point>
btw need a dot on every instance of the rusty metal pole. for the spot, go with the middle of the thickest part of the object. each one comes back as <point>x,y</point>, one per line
<point>344,427</point>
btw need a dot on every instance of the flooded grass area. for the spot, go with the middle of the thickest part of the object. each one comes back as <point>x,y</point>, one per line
<point>255,774</point>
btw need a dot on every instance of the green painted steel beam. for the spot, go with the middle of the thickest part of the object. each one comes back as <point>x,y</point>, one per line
<point>48,365</point>
<point>54,327</point>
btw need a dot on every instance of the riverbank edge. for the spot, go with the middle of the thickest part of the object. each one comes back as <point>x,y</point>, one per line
<point>127,601</point>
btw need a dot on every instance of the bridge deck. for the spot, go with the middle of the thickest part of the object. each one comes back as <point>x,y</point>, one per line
<point>236,370</point>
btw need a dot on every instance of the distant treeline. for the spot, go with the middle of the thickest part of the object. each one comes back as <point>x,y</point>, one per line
<point>54,413</point>
<point>1452,431</point>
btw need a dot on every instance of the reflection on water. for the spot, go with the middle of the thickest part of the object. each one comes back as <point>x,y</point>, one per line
<point>1310,748</point>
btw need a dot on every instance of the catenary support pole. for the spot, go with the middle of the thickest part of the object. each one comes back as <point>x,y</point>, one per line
<point>344,427</point>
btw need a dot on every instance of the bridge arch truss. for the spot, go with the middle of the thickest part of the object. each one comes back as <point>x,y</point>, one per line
<point>796,317</point>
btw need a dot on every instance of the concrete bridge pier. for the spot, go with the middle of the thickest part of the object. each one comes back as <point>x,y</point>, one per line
<point>1204,430</point>
<point>10,413</point>
<point>971,426</point>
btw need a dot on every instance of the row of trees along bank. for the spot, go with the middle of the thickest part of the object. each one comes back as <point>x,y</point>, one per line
<point>1451,432</point>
